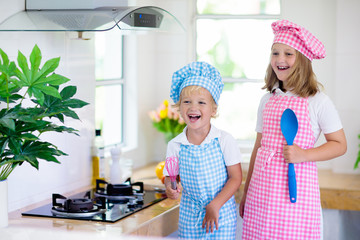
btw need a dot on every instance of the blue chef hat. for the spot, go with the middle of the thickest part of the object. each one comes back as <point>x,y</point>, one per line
<point>198,74</point>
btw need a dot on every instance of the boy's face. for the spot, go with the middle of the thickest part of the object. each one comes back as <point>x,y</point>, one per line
<point>282,60</point>
<point>197,109</point>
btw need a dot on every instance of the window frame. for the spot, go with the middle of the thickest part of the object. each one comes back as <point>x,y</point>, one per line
<point>245,146</point>
<point>121,81</point>
<point>198,16</point>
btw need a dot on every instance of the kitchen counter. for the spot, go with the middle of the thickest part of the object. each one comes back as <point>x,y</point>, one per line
<point>156,221</point>
<point>338,191</point>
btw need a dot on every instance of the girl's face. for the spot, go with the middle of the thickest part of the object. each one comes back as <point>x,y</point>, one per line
<point>197,109</point>
<point>282,60</point>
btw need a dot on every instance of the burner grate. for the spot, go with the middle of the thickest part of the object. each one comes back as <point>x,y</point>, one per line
<point>104,209</point>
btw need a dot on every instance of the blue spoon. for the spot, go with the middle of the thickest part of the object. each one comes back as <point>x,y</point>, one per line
<point>289,128</point>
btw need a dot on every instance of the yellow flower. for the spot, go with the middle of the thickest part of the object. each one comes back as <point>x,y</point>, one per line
<point>166,103</point>
<point>163,113</point>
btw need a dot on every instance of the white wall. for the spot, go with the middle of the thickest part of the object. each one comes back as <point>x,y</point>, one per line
<point>26,184</point>
<point>151,63</point>
<point>321,21</point>
<point>347,82</point>
<point>335,23</point>
<point>158,56</point>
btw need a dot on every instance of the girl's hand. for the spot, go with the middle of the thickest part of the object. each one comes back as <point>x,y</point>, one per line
<point>335,146</point>
<point>211,218</point>
<point>242,205</point>
<point>171,193</point>
<point>294,154</point>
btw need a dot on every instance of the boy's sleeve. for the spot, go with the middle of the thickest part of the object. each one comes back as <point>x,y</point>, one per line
<point>172,150</point>
<point>231,150</point>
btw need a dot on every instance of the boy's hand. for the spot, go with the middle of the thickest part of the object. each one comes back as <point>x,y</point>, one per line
<point>171,193</point>
<point>211,219</point>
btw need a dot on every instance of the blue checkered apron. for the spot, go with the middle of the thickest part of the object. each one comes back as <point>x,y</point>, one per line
<point>203,175</point>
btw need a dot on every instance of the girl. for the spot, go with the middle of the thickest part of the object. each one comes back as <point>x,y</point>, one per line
<point>265,206</point>
<point>209,159</point>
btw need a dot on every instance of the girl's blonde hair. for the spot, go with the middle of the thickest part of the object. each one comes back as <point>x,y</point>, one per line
<point>186,91</point>
<point>302,80</point>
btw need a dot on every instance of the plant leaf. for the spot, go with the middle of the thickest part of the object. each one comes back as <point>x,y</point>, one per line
<point>38,94</point>
<point>75,103</point>
<point>68,92</point>
<point>71,113</point>
<point>20,127</point>
<point>22,62</point>
<point>14,145</point>
<point>53,79</point>
<point>4,57</point>
<point>48,90</point>
<point>29,136</point>
<point>43,150</point>
<point>47,68</point>
<point>59,108</point>
<point>8,123</point>
<point>35,60</point>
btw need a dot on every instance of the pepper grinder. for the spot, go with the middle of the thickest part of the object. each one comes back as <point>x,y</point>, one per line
<point>115,171</point>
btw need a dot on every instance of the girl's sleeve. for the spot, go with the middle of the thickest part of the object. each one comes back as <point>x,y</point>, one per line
<point>328,117</point>
<point>259,121</point>
<point>230,149</point>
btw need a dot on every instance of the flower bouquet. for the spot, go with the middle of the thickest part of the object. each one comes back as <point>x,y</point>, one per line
<point>167,120</point>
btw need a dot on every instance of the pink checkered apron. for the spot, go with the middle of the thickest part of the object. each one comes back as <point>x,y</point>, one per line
<point>269,214</point>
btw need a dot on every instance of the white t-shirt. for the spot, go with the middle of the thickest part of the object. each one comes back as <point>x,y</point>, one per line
<point>228,145</point>
<point>323,114</point>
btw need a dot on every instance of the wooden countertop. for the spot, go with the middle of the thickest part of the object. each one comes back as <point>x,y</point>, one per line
<point>338,191</point>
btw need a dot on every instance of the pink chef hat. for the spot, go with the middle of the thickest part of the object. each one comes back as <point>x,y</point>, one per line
<point>299,38</point>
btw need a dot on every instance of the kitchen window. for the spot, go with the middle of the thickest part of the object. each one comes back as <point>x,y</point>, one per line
<point>235,36</point>
<point>109,93</point>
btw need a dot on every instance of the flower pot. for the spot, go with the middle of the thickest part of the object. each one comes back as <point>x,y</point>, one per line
<point>4,220</point>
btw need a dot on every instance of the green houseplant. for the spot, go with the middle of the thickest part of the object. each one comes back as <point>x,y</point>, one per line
<point>29,98</point>
<point>358,157</point>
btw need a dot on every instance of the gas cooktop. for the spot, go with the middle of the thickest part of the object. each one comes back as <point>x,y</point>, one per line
<point>105,203</point>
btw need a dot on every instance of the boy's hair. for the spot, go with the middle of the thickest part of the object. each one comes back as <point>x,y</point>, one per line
<point>302,80</point>
<point>186,91</point>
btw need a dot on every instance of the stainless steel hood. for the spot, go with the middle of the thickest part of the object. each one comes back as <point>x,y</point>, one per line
<point>58,15</point>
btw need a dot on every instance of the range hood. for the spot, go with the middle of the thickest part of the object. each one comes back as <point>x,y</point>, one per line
<point>89,15</point>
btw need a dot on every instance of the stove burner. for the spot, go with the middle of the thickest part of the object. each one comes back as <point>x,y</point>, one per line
<point>120,192</point>
<point>119,189</point>
<point>103,210</point>
<point>77,207</point>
